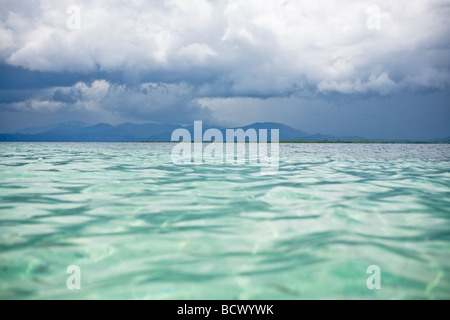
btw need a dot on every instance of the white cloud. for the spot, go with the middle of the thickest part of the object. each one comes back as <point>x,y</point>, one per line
<point>381,84</point>
<point>6,41</point>
<point>196,53</point>
<point>251,47</point>
<point>34,105</point>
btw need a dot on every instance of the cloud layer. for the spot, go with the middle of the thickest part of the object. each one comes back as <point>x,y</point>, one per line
<point>265,47</point>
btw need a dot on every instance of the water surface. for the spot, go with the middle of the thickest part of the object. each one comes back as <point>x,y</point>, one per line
<point>140,227</point>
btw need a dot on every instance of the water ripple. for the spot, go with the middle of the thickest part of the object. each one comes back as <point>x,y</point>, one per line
<point>141,227</point>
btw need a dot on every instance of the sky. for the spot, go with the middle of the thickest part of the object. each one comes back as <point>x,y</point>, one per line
<point>375,69</point>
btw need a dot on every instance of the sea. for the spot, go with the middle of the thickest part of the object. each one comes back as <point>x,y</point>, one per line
<point>123,221</point>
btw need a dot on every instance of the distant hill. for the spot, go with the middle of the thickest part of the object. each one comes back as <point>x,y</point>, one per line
<point>129,132</point>
<point>34,130</point>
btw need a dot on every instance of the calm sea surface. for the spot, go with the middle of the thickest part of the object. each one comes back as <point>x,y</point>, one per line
<point>140,227</point>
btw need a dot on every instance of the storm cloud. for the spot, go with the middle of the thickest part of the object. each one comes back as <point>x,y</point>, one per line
<point>176,61</point>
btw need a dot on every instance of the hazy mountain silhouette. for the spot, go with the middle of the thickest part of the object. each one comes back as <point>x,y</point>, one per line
<point>102,132</point>
<point>65,125</point>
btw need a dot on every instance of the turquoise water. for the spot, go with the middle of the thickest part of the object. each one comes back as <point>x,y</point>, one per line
<point>140,227</point>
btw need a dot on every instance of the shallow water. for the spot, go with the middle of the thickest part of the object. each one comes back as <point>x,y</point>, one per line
<point>140,227</point>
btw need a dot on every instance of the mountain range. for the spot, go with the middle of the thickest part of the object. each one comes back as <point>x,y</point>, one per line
<point>129,132</point>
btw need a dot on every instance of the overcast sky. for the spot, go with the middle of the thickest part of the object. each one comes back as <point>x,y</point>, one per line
<point>374,68</point>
